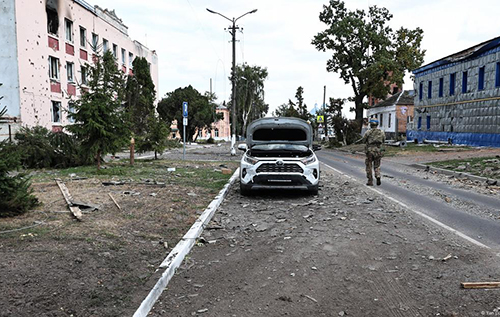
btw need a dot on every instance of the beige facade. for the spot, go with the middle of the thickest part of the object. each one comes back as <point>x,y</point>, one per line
<point>52,42</point>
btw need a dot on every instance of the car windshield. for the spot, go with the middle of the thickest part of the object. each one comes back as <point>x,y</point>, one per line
<point>280,147</point>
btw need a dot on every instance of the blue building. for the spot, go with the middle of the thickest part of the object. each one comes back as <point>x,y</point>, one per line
<point>458,98</point>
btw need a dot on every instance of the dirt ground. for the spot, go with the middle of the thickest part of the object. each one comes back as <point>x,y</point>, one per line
<point>53,265</point>
<point>346,252</point>
<point>373,255</point>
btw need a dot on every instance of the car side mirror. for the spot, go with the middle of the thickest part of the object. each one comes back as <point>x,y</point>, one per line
<point>316,147</point>
<point>242,147</point>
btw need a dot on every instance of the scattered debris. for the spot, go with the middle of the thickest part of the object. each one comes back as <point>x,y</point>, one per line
<point>481,284</point>
<point>204,310</point>
<point>227,171</point>
<point>311,298</point>
<point>171,169</point>
<point>113,199</point>
<point>113,183</point>
<point>446,258</point>
<point>75,210</point>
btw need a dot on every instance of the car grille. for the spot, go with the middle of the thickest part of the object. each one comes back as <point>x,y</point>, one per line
<point>283,168</point>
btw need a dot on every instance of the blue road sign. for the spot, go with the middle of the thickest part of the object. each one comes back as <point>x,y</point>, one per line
<point>185,109</point>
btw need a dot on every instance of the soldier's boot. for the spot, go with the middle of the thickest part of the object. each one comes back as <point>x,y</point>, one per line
<point>378,181</point>
<point>370,182</point>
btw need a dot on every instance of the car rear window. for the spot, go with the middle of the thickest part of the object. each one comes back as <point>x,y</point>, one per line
<point>280,135</point>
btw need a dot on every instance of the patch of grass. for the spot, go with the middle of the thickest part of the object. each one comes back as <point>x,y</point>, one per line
<point>480,166</point>
<point>421,148</point>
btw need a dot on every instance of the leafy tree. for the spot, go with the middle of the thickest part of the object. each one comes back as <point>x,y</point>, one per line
<point>296,109</point>
<point>200,110</point>
<point>156,137</point>
<point>16,196</point>
<point>100,120</point>
<point>366,52</point>
<point>250,104</point>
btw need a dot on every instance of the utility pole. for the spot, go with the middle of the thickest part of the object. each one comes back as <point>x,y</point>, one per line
<point>233,29</point>
<point>324,113</point>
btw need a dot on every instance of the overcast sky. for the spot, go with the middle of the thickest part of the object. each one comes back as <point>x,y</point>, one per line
<point>193,46</point>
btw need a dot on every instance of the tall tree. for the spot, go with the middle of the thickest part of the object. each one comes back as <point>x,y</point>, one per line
<point>200,110</point>
<point>100,120</point>
<point>156,137</point>
<point>250,104</point>
<point>366,52</point>
<point>141,96</point>
<point>296,109</point>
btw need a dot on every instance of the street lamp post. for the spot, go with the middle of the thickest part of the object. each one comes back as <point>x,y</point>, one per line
<point>233,29</point>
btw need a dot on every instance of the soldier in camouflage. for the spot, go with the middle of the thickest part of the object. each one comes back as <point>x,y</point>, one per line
<point>373,140</point>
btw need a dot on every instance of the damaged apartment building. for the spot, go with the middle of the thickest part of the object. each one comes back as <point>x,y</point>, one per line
<point>47,46</point>
<point>458,98</point>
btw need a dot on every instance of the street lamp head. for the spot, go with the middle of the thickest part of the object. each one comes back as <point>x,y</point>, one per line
<point>211,11</point>
<point>253,11</point>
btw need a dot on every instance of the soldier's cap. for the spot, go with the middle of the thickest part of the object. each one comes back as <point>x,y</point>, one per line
<point>373,121</point>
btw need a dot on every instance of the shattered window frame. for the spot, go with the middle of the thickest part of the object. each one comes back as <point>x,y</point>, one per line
<point>56,111</point>
<point>84,74</point>
<point>70,71</point>
<point>465,75</point>
<point>52,21</point>
<point>68,27</point>
<point>54,68</point>
<point>83,37</point>
<point>480,79</point>
<point>453,79</point>
<point>95,41</point>
<point>441,84</point>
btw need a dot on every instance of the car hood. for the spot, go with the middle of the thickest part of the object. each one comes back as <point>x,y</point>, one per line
<point>279,130</point>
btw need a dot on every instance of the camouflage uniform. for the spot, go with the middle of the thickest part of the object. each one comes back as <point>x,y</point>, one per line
<point>373,139</point>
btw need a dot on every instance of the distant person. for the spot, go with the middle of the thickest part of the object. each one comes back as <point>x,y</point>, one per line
<point>373,140</point>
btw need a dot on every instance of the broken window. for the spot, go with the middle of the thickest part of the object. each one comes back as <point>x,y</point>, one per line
<point>95,41</point>
<point>70,67</point>
<point>480,82</point>
<point>130,60</point>
<point>452,83</point>
<point>216,133</point>
<point>84,75</point>
<point>52,21</point>
<point>71,110</point>
<point>83,37</point>
<point>56,111</point>
<point>464,82</point>
<point>441,83</point>
<point>105,45</point>
<point>53,67</point>
<point>497,75</point>
<point>115,50</point>
<point>69,30</point>
<point>395,90</point>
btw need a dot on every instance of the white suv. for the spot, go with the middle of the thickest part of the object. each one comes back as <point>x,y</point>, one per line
<point>279,154</point>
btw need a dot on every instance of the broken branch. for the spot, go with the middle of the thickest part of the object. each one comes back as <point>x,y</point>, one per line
<point>481,284</point>
<point>113,199</point>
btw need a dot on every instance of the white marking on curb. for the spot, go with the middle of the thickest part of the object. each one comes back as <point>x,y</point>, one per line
<point>437,222</point>
<point>176,256</point>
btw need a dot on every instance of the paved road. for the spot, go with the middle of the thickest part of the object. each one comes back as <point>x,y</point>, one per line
<point>484,230</point>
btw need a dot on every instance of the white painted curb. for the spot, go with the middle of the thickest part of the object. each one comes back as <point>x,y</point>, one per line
<point>176,256</point>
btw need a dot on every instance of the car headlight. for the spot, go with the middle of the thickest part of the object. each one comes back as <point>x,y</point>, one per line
<point>308,160</point>
<point>250,160</point>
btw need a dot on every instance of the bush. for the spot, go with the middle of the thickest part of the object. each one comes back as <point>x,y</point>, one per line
<point>15,192</point>
<point>41,148</point>
<point>210,140</point>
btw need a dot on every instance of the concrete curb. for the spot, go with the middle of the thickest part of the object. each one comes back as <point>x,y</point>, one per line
<point>176,256</point>
<point>452,173</point>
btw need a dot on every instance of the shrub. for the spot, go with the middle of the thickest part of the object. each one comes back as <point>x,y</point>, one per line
<point>15,192</point>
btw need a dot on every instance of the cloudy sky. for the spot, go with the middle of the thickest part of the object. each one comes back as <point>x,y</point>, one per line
<point>193,46</point>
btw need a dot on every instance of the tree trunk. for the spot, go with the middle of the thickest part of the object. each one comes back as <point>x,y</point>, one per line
<point>156,155</point>
<point>358,101</point>
<point>98,160</point>
<point>132,151</point>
